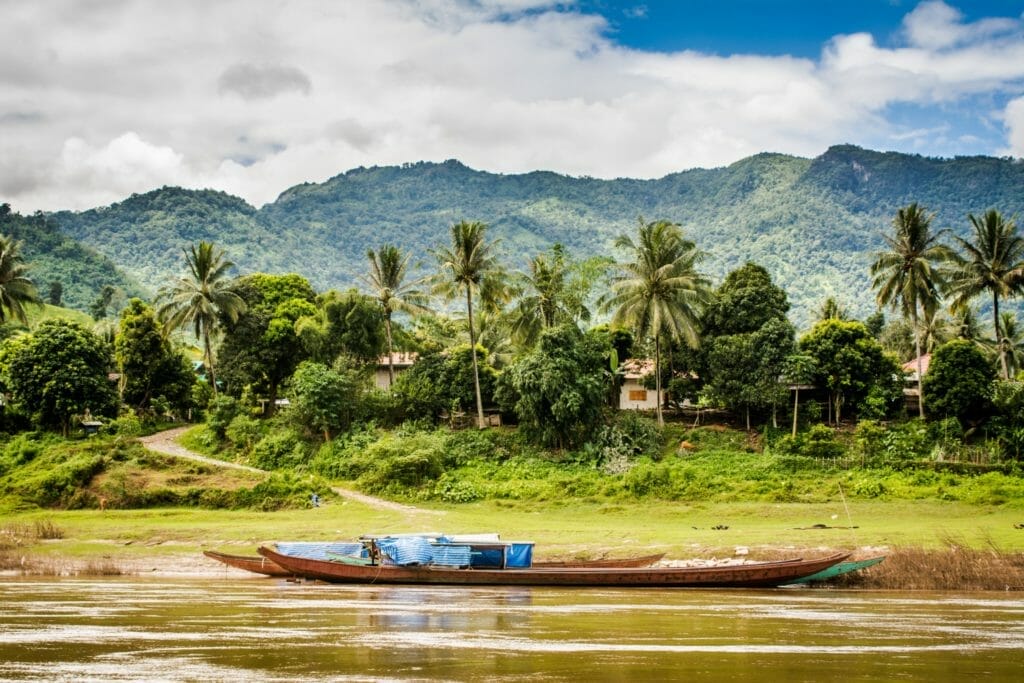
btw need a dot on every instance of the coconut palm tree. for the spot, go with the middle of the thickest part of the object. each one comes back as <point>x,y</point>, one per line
<point>659,291</point>
<point>1012,345</point>
<point>386,282</point>
<point>16,289</point>
<point>549,294</point>
<point>906,276</point>
<point>469,265</point>
<point>201,299</point>
<point>993,262</point>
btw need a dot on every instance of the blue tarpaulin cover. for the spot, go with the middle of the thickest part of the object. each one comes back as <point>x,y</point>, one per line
<point>451,555</point>
<point>519,556</point>
<point>407,550</point>
<point>319,551</point>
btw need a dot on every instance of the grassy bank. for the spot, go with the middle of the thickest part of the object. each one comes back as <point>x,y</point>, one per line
<point>930,544</point>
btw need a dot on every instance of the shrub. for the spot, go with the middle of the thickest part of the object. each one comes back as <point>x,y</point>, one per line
<point>222,410</point>
<point>279,450</point>
<point>820,442</point>
<point>244,431</point>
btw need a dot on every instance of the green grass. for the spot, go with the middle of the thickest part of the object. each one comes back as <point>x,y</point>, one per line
<point>560,530</point>
<point>37,315</point>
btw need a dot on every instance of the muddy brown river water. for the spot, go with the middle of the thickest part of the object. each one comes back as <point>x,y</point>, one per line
<point>241,628</point>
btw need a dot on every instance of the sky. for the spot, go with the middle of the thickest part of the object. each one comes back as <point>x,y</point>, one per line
<point>100,99</point>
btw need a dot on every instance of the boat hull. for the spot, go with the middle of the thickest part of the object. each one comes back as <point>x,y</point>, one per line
<point>261,565</point>
<point>754,575</point>
<point>256,564</point>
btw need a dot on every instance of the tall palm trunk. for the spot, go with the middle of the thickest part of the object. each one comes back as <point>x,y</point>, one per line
<point>999,336</point>
<point>391,362</point>
<point>920,375</point>
<point>796,408</point>
<point>209,360</point>
<point>472,348</point>
<point>657,376</point>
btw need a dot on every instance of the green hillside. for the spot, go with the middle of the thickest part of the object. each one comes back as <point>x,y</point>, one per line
<point>53,256</point>
<point>813,223</point>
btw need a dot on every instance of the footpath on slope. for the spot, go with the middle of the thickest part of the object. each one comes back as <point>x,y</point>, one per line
<point>165,442</point>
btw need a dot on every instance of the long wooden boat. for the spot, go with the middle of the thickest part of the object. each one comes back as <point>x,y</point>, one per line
<point>840,569</point>
<point>620,562</point>
<point>261,565</point>
<point>753,575</point>
<point>250,563</point>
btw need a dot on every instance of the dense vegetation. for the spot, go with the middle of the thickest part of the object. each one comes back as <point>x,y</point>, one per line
<point>813,223</point>
<point>80,271</point>
<point>285,383</point>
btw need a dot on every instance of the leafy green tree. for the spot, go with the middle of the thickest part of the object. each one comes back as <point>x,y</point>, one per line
<point>16,289</point>
<point>993,263</point>
<point>850,363</point>
<point>261,348</point>
<point>149,367</point>
<point>386,281</point>
<point>202,299</point>
<point>745,368</point>
<point>746,338</point>
<point>960,381</point>
<point>59,371</point>
<point>558,389</point>
<point>659,292</point>
<point>442,381</point>
<point>326,399</point>
<point>906,275</point>
<point>744,302</point>
<point>349,324</point>
<point>56,293</point>
<point>469,265</point>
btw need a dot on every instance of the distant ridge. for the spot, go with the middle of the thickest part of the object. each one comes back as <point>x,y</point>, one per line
<point>813,223</point>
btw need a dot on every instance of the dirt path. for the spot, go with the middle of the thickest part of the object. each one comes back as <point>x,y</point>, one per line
<point>166,442</point>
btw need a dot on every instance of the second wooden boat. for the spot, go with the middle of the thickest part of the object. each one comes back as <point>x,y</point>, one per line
<point>261,565</point>
<point>250,563</point>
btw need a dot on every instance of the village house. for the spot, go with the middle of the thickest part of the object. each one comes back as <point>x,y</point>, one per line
<point>402,361</point>
<point>633,395</point>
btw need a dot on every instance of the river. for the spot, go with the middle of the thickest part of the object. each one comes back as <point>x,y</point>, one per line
<point>241,628</point>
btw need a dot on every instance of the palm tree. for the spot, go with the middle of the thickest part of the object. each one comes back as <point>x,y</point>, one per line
<point>386,281</point>
<point>201,298</point>
<point>659,292</point>
<point>16,289</point>
<point>906,276</point>
<point>832,310</point>
<point>469,265</point>
<point>550,295</point>
<point>993,262</point>
<point>1012,345</point>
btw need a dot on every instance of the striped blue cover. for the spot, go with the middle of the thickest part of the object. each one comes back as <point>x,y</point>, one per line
<point>319,551</point>
<point>407,550</point>
<point>452,555</point>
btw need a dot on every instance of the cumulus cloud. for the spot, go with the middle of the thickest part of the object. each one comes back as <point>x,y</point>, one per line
<point>132,95</point>
<point>936,25</point>
<point>1014,119</point>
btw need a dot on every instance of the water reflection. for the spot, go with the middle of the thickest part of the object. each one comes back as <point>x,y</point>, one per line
<point>218,629</point>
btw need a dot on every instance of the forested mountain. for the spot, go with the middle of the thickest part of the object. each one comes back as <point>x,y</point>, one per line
<point>53,256</point>
<point>813,223</point>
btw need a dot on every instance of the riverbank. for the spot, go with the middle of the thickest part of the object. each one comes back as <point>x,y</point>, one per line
<point>929,546</point>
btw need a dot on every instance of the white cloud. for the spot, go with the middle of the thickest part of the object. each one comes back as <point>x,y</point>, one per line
<point>936,25</point>
<point>101,99</point>
<point>1014,120</point>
